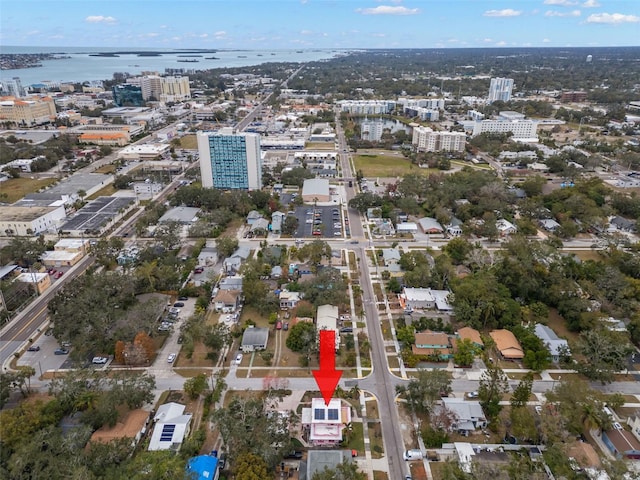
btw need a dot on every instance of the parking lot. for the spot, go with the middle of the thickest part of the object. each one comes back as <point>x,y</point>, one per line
<point>319,221</point>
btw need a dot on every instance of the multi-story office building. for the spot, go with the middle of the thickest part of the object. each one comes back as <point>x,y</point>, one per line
<point>229,160</point>
<point>175,89</point>
<point>432,103</point>
<point>128,95</point>
<point>426,140</point>
<point>500,89</point>
<point>28,111</point>
<point>521,129</point>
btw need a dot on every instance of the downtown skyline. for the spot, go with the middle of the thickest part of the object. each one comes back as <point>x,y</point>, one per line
<point>290,24</point>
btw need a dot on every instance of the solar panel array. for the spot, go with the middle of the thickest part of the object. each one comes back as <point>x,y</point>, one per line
<point>97,213</point>
<point>318,414</point>
<point>167,433</point>
<point>332,414</point>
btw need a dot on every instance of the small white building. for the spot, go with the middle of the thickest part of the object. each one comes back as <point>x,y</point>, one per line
<point>30,221</point>
<point>324,423</point>
<point>171,426</point>
<point>316,190</point>
<point>505,227</point>
<point>327,319</point>
<point>424,299</point>
<point>407,227</point>
<point>254,338</point>
<point>554,344</point>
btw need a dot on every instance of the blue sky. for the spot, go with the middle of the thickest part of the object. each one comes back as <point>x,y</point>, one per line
<point>283,24</point>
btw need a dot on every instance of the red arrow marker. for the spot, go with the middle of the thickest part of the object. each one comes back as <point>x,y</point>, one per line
<point>327,377</point>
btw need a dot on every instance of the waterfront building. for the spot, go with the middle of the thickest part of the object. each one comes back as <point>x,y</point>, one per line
<point>500,89</point>
<point>13,88</point>
<point>230,160</point>
<point>426,140</point>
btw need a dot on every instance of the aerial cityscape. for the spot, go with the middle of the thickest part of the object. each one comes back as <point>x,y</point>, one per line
<point>347,241</point>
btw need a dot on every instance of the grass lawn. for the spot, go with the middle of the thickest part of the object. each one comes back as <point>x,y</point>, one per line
<point>373,165</point>
<point>378,475</point>
<point>375,437</point>
<point>16,188</point>
<point>320,145</point>
<point>585,255</point>
<point>189,142</point>
<point>356,439</point>
<point>559,325</point>
<point>105,191</point>
<point>107,169</point>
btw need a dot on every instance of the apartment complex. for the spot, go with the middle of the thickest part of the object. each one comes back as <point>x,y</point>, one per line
<point>500,89</point>
<point>508,122</point>
<point>426,140</point>
<point>163,89</point>
<point>367,107</point>
<point>229,160</point>
<point>27,111</point>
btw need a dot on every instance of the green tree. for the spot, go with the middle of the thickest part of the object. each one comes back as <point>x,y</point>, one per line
<point>603,354</point>
<point>302,336</point>
<point>422,392</point>
<point>493,384</point>
<point>342,471</point>
<point>458,248</point>
<point>250,467</point>
<point>195,386</point>
<point>522,392</point>
<point>523,424</point>
<point>466,353</point>
<point>226,246</point>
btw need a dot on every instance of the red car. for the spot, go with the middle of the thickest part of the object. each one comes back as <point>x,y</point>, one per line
<point>279,326</point>
<point>51,271</point>
<point>59,274</point>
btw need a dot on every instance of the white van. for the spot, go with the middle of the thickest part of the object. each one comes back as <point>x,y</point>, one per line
<point>413,454</point>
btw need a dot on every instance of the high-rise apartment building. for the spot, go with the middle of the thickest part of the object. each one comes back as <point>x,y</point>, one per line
<point>500,89</point>
<point>175,89</point>
<point>13,88</point>
<point>230,161</point>
<point>426,140</point>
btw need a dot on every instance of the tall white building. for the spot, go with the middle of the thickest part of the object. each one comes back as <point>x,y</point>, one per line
<point>13,88</point>
<point>371,130</point>
<point>230,161</point>
<point>367,107</point>
<point>426,140</point>
<point>521,129</point>
<point>175,89</point>
<point>500,89</point>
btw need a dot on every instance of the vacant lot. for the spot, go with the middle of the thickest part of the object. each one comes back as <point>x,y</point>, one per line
<point>106,191</point>
<point>320,146</point>
<point>16,188</point>
<point>189,142</point>
<point>387,165</point>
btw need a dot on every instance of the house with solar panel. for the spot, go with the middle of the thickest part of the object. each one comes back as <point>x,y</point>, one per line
<point>323,424</point>
<point>171,426</point>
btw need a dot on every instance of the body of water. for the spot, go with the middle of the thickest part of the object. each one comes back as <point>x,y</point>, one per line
<point>82,67</point>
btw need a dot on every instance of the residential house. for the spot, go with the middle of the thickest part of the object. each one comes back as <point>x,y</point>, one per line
<point>208,256</point>
<point>505,227</point>
<point>430,225</point>
<point>289,299</point>
<point>507,344</point>
<point>171,426</point>
<point>424,299</point>
<point>277,219</point>
<point>323,424</point>
<point>621,224</point>
<point>254,338</point>
<point>231,283</point>
<point>433,344</point>
<point>549,224</point>
<point>555,344</point>
<point>471,334</point>
<point>252,216</point>
<point>622,443</point>
<point>407,227</point>
<point>327,319</point>
<point>469,415</point>
<point>390,256</point>
<point>232,264</point>
<point>260,227</point>
<point>227,301</point>
<point>454,227</point>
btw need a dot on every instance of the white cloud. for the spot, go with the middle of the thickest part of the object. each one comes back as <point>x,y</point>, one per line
<point>306,32</point>
<point>612,18</point>
<point>546,40</point>
<point>99,19</point>
<point>204,35</point>
<point>501,43</point>
<point>378,35</point>
<point>32,32</point>
<point>507,12</point>
<point>564,3</point>
<point>488,40</point>
<point>388,10</point>
<point>56,37</point>
<point>591,4</point>
<point>553,13</point>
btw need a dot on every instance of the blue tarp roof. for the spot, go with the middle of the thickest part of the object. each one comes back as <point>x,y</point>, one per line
<point>204,466</point>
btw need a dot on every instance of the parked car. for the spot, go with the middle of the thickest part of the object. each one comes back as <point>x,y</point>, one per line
<point>238,359</point>
<point>33,348</point>
<point>99,360</point>
<point>285,327</point>
<point>279,326</point>
<point>178,304</point>
<point>346,330</point>
<point>61,351</point>
<point>171,358</point>
<point>222,461</point>
<point>472,395</point>
<point>51,271</point>
<point>297,454</point>
<point>59,274</point>
<point>182,299</point>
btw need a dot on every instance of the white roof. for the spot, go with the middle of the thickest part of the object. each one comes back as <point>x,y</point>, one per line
<point>428,223</point>
<point>418,294</point>
<point>465,452</point>
<point>407,226</point>
<point>168,410</point>
<point>464,409</point>
<point>31,277</point>
<point>59,255</point>
<point>550,339</point>
<point>315,186</point>
<point>171,427</point>
<point>75,243</point>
